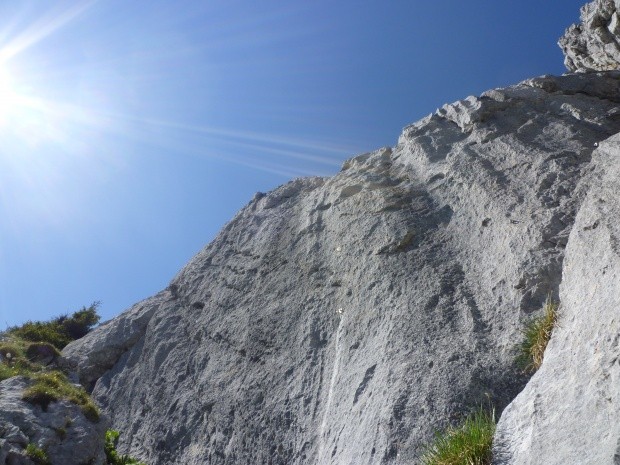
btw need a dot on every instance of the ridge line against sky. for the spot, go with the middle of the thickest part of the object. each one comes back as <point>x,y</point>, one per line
<point>131,132</point>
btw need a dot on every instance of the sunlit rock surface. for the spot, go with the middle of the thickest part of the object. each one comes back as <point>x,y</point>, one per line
<point>344,320</point>
<point>594,44</point>
<point>569,411</point>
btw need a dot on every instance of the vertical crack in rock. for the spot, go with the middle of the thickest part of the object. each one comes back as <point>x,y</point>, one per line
<point>364,384</point>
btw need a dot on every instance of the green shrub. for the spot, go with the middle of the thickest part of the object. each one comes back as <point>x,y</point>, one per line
<point>81,322</point>
<point>536,336</point>
<point>113,458</point>
<point>52,386</point>
<point>36,331</point>
<point>61,330</point>
<point>466,444</point>
<point>37,455</point>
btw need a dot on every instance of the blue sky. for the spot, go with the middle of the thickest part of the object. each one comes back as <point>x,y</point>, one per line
<point>130,132</point>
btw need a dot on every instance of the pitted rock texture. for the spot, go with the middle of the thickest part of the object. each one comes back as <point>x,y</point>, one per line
<point>569,411</point>
<point>62,431</point>
<point>594,45</point>
<point>344,320</point>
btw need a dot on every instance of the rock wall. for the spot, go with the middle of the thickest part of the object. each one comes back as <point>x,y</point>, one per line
<point>594,45</point>
<point>343,320</point>
<point>569,411</point>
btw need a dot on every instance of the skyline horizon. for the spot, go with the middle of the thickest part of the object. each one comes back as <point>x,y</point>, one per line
<point>129,141</point>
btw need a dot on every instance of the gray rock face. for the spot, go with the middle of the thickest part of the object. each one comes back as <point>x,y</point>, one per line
<point>343,320</point>
<point>594,45</point>
<point>62,431</point>
<point>569,411</point>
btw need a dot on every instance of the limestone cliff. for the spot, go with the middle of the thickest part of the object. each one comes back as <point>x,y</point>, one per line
<point>568,412</point>
<point>594,45</point>
<point>343,320</point>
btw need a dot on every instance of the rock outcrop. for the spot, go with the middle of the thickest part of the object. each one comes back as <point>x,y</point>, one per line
<point>569,411</point>
<point>343,320</point>
<point>62,431</point>
<point>594,45</point>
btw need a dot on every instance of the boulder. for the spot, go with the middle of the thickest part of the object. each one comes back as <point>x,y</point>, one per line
<point>61,430</point>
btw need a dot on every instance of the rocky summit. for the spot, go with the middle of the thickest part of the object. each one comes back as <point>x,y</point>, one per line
<point>594,45</point>
<point>344,320</point>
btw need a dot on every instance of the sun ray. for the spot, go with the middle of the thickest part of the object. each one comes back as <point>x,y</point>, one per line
<point>42,29</point>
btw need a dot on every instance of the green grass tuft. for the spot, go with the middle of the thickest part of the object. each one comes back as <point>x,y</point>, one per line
<point>37,455</point>
<point>466,444</point>
<point>14,359</point>
<point>41,351</point>
<point>112,456</point>
<point>536,336</point>
<point>52,386</point>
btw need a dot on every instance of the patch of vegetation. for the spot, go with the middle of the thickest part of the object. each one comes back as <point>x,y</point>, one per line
<point>112,456</point>
<point>41,351</point>
<point>61,330</point>
<point>536,336</point>
<point>26,350</point>
<point>37,455</point>
<point>14,361</point>
<point>466,444</point>
<point>52,386</point>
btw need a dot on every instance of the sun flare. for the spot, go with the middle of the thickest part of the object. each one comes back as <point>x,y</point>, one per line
<point>9,98</point>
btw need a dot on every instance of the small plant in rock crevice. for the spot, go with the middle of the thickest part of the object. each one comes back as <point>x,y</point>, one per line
<point>37,455</point>
<point>112,456</point>
<point>466,444</point>
<point>536,336</point>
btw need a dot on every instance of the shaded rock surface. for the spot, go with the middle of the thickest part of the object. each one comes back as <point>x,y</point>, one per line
<point>343,320</point>
<point>569,411</point>
<point>62,431</point>
<point>594,44</point>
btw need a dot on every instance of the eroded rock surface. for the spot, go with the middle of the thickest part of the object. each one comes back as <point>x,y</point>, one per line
<point>594,44</point>
<point>343,320</point>
<point>62,430</point>
<point>569,411</point>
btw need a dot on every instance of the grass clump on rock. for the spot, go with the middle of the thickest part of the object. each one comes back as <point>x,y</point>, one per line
<point>466,444</point>
<point>14,361</point>
<point>536,336</point>
<point>37,455</point>
<point>112,456</point>
<point>31,351</point>
<point>53,386</point>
